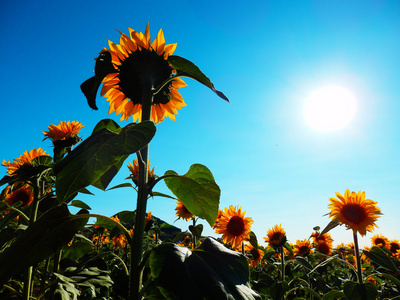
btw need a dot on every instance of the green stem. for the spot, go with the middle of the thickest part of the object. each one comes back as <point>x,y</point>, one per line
<point>357,253</point>
<point>135,280</point>
<point>282,263</point>
<point>33,215</point>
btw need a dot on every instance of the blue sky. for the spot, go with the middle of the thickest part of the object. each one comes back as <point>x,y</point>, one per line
<point>267,57</point>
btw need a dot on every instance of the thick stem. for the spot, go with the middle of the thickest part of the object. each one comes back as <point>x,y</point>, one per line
<point>135,280</point>
<point>357,253</point>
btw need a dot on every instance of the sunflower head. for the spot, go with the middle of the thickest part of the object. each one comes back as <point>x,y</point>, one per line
<point>353,210</point>
<point>23,193</point>
<point>302,248</point>
<point>234,226</point>
<point>139,63</point>
<point>182,211</point>
<point>317,237</point>
<point>380,241</point>
<point>255,255</point>
<point>276,237</point>
<point>65,134</point>
<point>23,162</point>
<point>324,247</point>
<point>394,246</point>
<point>134,169</point>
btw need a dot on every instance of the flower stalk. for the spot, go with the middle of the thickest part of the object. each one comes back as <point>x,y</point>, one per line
<point>135,280</point>
<point>358,258</point>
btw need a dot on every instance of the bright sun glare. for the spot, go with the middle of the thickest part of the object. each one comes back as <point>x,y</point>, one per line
<point>330,108</point>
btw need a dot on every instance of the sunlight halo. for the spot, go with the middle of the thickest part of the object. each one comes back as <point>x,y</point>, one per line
<point>330,108</point>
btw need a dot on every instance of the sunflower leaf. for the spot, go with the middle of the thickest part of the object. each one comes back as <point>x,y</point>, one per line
<point>98,159</point>
<point>40,240</point>
<point>332,224</point>
<point>197,190</point>
<point>211,272</point>
<point>186,68</point>
<point>377,255</point>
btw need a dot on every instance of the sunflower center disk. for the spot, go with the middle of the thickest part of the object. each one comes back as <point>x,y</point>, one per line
<point>144,65</point>
<point>354,213</point>
<point>235,226</point>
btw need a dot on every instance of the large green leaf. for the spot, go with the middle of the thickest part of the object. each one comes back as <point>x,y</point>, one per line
<point>186,68</point>
<point>42,239</point>
<point>212,272</point>
<point>197,190</point>
<point>97,159</point>
<point>378,256</point>
<point>356,291</point>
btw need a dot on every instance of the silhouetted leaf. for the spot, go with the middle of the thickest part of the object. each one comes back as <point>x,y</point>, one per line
<point>42,239</point>
<point>378,256</point>
<point>186,68</point>
<point>211,272</point>
<point>97,159</point>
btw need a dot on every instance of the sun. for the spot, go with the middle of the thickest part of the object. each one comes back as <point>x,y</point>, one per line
<point>330,108</point>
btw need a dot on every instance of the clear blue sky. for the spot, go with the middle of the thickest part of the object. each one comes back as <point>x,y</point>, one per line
<point>267,57</point>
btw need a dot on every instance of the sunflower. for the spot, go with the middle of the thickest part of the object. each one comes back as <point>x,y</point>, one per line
<point>276,236</point>
<point>134,168</point>
<point>353,210</point>
<point>233,226</point>
<point>317,237</point>
<point>182,211</point>
<point>380,241</point>
<point>136,59</point>
<point>23,160</point>
<point>119,241</point>
<point>302,248</point>
<point>217,219</point>
<point>23,194</point>
<point>394,245</point>
<point>324,247</point>
<point>256,255</point>
<point>64,134</point>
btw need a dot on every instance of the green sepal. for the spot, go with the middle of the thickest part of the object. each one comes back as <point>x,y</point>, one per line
<point>197,190</point>
<point>186,68</point>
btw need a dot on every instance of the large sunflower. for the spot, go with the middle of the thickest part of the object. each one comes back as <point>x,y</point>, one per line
<point>276,236</point>
<point>64,132</point>
<point>22,160</point>
<point>136,59</point>
<point>353,210</point>
<point>233,226</point>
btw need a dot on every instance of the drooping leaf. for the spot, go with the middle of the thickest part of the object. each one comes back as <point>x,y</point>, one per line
<point>77,250</point>
<point>332,224</point>
<point>212,272</point>
<point>186,68</point>
<point>97,159</point>
<point>333,295</point>
<point>378,256</point>
<point>42,239</point>
<point>253,240</point>
<point>80,204</point>
<point>198,190</point>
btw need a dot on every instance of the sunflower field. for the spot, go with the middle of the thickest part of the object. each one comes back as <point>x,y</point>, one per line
<point>47,252</point>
